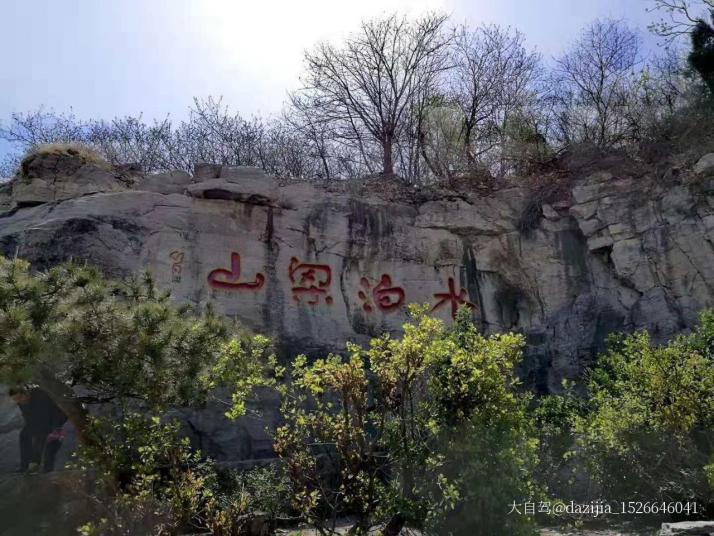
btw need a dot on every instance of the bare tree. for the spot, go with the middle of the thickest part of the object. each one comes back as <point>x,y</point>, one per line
<point>594,82</point>
<point>317,138</point>
<point>665,81</point>
<point>212,133</point>
<point>409,97</point>
<point>365,90</point>
<point>492,78</point>
<point>30,129</point>
<point>131,140</point>
<point>45,126</point>
<point>122,140</point>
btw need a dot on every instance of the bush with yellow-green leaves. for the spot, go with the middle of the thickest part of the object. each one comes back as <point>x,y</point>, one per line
<point>426,431</point>
<point>648,432</point>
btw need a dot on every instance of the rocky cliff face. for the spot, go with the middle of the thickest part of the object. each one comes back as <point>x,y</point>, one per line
<point>316,266</point>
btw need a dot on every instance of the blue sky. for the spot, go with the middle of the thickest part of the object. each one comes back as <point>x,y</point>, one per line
<point>104,58</point>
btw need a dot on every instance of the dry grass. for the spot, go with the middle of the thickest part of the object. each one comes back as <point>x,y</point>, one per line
<point>68,149</point>
<point>74,151</point>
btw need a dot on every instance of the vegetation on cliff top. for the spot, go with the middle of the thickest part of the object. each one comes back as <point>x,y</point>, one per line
<point>431,102</point>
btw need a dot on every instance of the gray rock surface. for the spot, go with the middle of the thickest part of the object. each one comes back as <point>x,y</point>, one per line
<point>317,266</point>
<point>174,182</point>
<point>690,528</point>
<point>705,165</point>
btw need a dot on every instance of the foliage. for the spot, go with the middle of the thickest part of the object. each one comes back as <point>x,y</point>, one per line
<point>701,57</point>
<point>383,433</point>
<point>493,458</point>
<point>111,353</point>
<point>122,340</point>
<point>150,481</point>
<point>681,17</point>
<point>262,489</point>
<point>649,431</point>
<point>560,466</point>
<point>524,145</point>
<point>394,434</point>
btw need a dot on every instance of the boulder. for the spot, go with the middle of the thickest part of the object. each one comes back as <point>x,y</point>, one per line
<point>88,180</point>
<point>60,160</point>
<point>255,524</point>
<point>173,182</point>
<point>705,165</point>
<point>243,173</point>
<point>206,171</point>
<point>549,212</point>
<point>55,174</point>
<point>5,195</point>
<point>10,424</point>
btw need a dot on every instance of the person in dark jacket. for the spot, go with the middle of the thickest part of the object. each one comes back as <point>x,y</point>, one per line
<point>41,437</point>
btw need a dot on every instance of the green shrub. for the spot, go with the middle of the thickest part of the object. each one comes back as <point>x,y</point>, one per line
<point>148,480</point>
<point>407,430</point>
<point>649,432</point>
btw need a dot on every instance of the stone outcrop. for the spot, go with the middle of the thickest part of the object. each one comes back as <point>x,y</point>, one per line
<point>315,266</point>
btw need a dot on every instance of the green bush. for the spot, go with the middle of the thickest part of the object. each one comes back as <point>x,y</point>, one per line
<point>494,462</point>
<point>648,434</point>
<point>409,429</point>
<point>148,480</point>
<point>560,467</point>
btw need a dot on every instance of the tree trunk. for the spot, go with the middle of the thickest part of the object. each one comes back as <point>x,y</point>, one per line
<point>387,157</point>
<point>325,166</point>
<point>438,173</point>
<point>63,396</point>
<point>468,130</point>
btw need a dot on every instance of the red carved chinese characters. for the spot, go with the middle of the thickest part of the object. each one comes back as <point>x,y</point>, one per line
<point>384,295</point>
<point>310,281</point>
<point>230,279</point>
<point>176,257</point>
<point>452,297</point>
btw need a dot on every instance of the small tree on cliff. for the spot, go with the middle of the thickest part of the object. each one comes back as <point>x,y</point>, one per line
<point>396,434</point>
<point>594,85</point>
<point>492,79</point>
<point>365,92</point>
<point>85,339</point>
